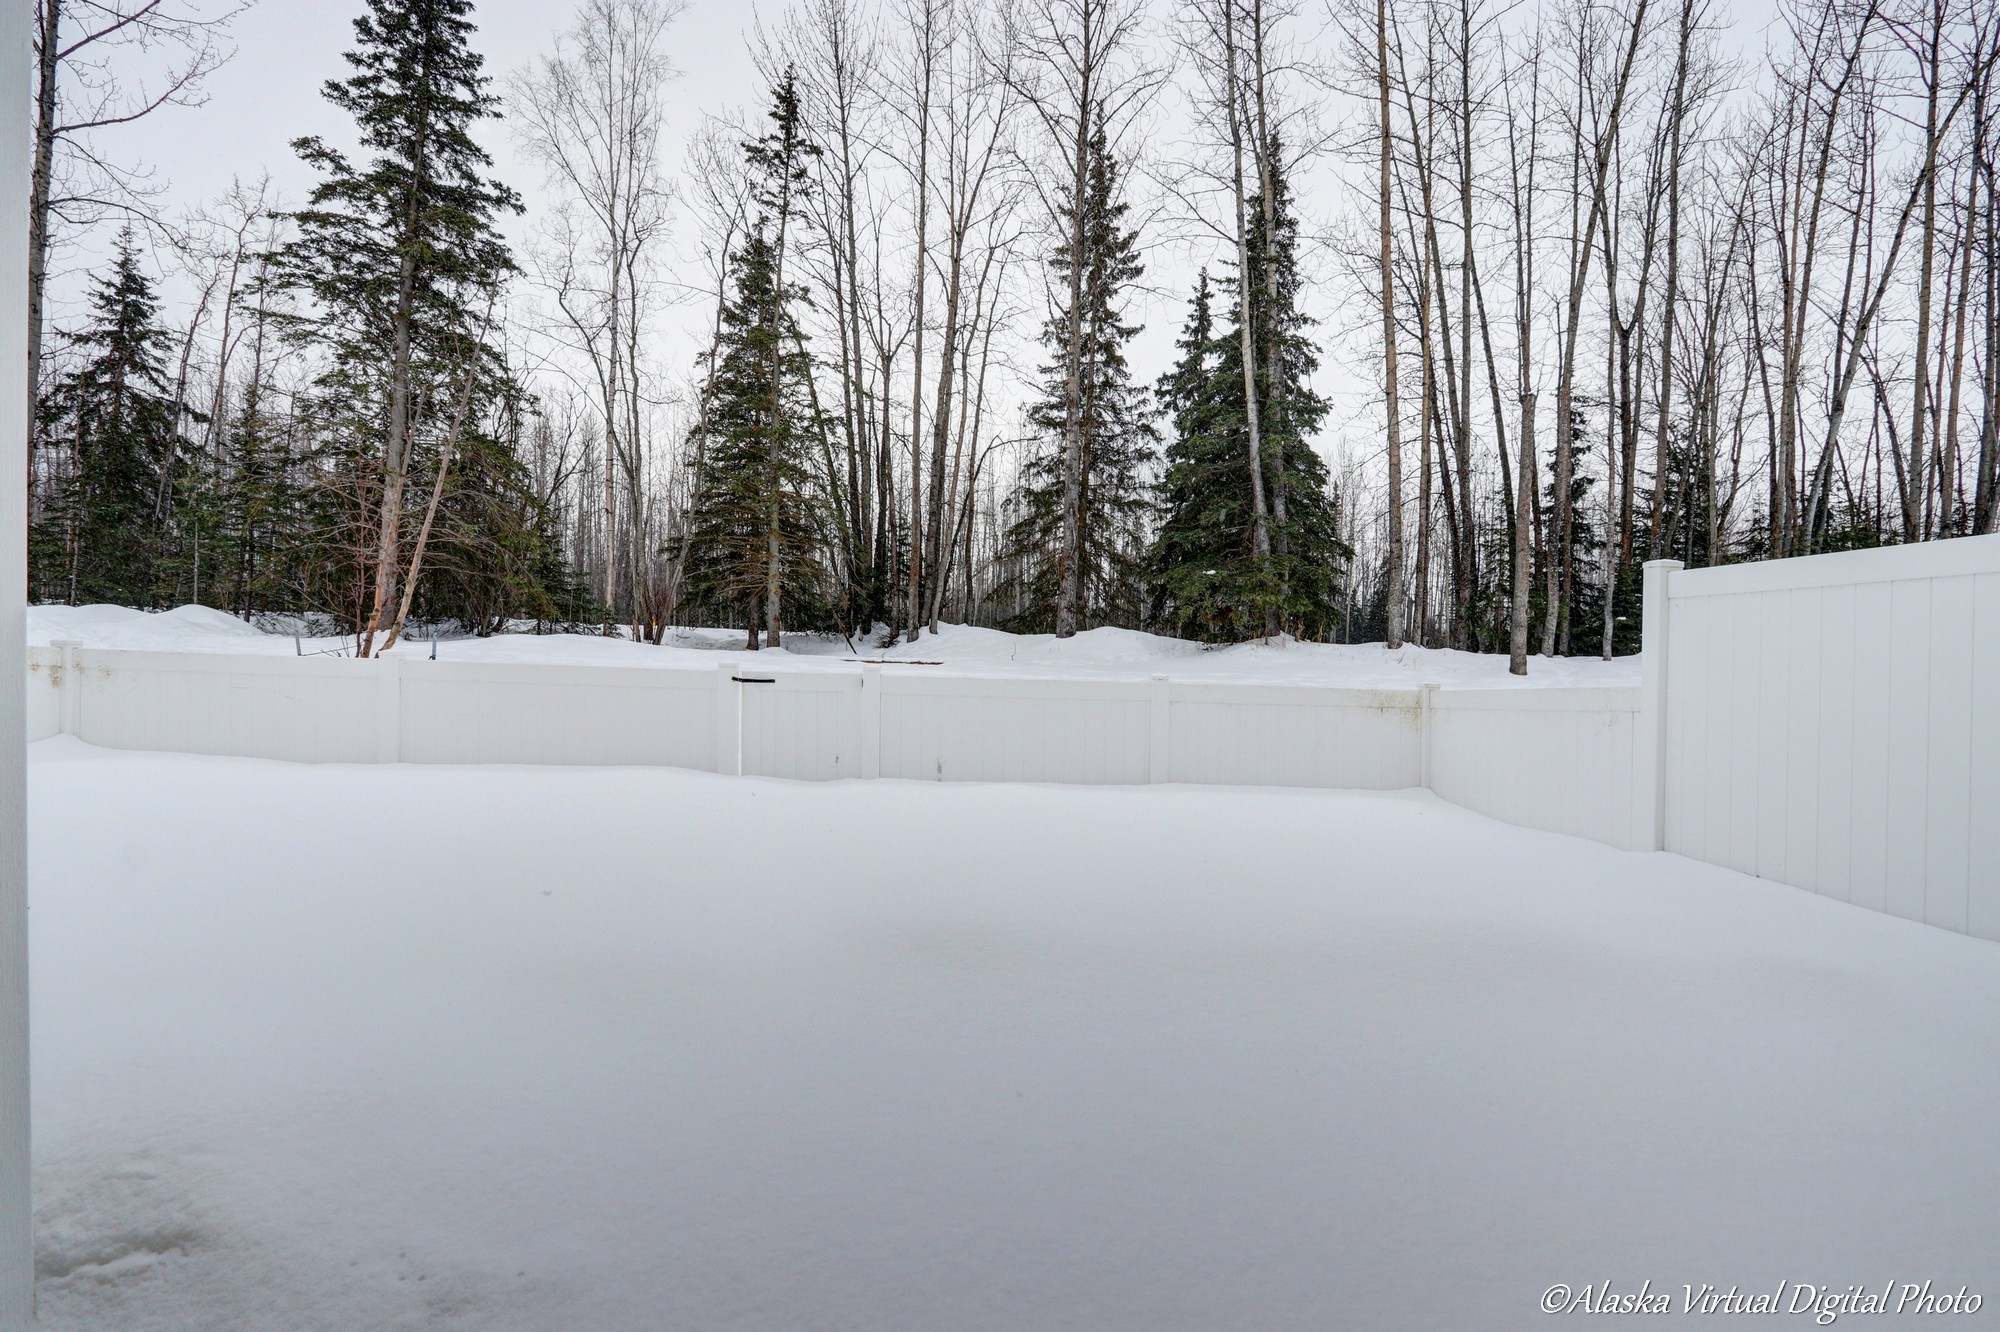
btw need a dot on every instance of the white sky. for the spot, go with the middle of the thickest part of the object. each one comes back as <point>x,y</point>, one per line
<point>286,50</point>
<point>269,94</point>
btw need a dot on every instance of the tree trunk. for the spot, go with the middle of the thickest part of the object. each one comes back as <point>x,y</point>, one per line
<point>1426,425</point>
<point>1524,492</point>
<point>913,610</point>
<point>1566,372</point>
<point>1467,564</point>
<point>1525,508</point>
<point>1273,336</point>
<point>1671,294</point>
<point>48,47</point>
<point>1393,571</point>
<point>1988,487</point>
<point>1948,497</point>
<point>1260,532</point>
<point>1914,526</point>
<point>1069,561</point>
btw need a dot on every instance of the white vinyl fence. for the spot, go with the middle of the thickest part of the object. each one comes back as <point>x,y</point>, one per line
<point>1834,723</point>
<point>1830,722</point>
<point>1563,760</point>
<point>1566,766</point>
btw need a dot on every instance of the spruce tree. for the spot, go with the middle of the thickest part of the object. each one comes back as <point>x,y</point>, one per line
<point>1209,582</point>
<point>1583,599</point>
<point>1119,443</point>
<point>755,521</point>
<point>401,258</point>
<point>1307,551</point>
<point>115,415</point>
<point>260,527</point>
<point>1201,556</point>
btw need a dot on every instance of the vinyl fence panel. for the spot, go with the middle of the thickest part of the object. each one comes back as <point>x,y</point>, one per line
<point>1833,723</point>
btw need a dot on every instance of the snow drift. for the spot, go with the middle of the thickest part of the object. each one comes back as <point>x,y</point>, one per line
<point>1096,653</point>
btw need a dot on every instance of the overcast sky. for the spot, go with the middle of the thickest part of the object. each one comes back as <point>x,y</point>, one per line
<point>286,49</point>
<point>270,94</point>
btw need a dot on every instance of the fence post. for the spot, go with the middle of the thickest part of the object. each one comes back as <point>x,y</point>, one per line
<point>1650,743</point>
<point>728,721</point>
<point>1425,692</point>
<point>871,720</point>
<point>1161,750</point>
<point>69,694</point>
<point>388,709</point>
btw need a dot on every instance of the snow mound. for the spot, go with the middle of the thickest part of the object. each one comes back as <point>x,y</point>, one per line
<point>1281,660</point>
<point>1104,653</point>
<point>182,629</point>
<point>966,644</point>
<point>207,619</point>
<point>88,623</point>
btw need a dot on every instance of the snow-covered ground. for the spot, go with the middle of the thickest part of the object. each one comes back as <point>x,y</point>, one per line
<point>399,1047</point>
<point>1113,653</point>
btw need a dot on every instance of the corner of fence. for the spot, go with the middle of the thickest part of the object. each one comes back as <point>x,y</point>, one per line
<point>1656,631</point>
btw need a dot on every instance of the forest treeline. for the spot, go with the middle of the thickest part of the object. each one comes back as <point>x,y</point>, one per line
<point>1484,306</point>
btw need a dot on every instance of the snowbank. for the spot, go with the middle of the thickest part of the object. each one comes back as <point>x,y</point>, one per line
<point>183,629</point>
<point>1099,653</point>
<point>1126,652</point>
<point>637,1049</point>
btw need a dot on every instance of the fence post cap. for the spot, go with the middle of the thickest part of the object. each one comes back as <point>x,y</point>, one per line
<point>1664,564</point>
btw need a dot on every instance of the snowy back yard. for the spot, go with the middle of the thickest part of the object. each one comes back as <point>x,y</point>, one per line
<point>1089,1022</point>
<point>1223,665</point>
<point>553,1048</point>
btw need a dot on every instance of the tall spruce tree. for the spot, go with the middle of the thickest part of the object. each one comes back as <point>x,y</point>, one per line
<point>1208,580</point>
<point>1201,558</point>
<point>755,522</point>
<point>400,257</point>
<point>116,418</point>
<point>1118,444</point>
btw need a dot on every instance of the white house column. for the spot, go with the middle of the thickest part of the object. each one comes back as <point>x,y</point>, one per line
<point>17,1244</point>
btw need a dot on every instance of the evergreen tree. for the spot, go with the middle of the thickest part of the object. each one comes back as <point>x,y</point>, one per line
<point>400,257</point>
<point>1583,603</point>
<point>1208,580</point>
<point>1201,557</point>
<point>1307,551</point>
<point>116,417</point>
<point>1119,444</point>
<point>755,519</point>
<point>495,554</point>
<point>260,527</point>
